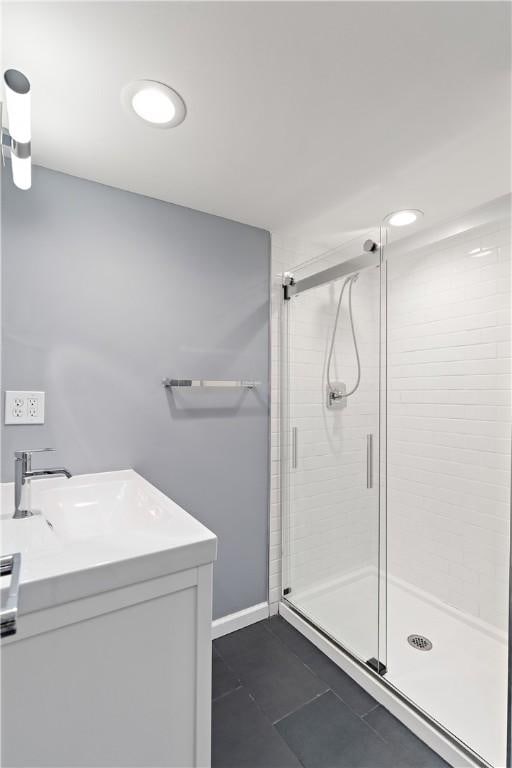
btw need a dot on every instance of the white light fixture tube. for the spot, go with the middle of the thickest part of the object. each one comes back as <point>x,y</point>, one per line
<point>17,99</point>
<point>21,171</point>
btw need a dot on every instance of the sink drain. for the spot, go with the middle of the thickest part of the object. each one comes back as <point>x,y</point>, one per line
<point>420,642</point>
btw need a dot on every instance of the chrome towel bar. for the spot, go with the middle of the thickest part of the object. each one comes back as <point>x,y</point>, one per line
<point>208,383</point>
<point>10,566</point>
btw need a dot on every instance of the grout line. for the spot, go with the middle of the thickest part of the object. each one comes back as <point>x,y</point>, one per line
<point>377,705</point>
<point>340,697</point>
<point>391,743</point>
<point>263,714</point>
<point>324,682</point>
<point>283,644</point>
<point>227,693</point>
<point>391,739</point>
<point>228,663</point>
<point>294,653</point>
<point>301,706</point>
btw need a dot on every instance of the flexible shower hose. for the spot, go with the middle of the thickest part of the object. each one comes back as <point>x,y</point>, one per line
<point>350,280</point>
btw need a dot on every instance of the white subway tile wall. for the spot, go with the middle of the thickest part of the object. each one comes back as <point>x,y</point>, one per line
<point>449,422</point>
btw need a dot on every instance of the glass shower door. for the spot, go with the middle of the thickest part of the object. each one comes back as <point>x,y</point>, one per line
<point>333,565</point>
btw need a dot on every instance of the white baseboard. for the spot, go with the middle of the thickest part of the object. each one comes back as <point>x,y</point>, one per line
<point>385,696</point>
<point>240,619</point>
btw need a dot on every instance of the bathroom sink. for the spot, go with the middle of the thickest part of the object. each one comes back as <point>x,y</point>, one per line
<point>113,626</point>
<point>98,532</point>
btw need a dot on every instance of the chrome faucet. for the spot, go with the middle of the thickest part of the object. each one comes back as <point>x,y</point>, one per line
<point>23,474</point>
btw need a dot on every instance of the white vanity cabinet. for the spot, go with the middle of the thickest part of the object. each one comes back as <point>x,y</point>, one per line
<point>111,661</point>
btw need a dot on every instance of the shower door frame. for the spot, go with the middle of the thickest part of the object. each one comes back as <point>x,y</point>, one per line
<point>368,259</point>
<point>290,288</point>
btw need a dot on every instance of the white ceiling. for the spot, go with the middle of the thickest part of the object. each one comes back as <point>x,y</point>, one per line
<point>306,118</point>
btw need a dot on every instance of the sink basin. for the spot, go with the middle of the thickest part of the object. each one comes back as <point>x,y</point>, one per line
<point>98,532</point>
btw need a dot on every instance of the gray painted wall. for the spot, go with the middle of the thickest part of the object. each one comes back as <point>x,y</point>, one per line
<point>105,293</point>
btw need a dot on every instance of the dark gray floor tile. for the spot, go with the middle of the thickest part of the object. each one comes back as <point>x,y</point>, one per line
<point>326,734</point>
<point>288,678</point>
<point>279,681</point>
<point>294,640</point>
<point>243,738</point>
<point>243,640</point>
<point>342,684</point>
<point>409,750</point>
<point>224,679</point>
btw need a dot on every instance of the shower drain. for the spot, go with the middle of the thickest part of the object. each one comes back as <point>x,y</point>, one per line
<point>419,642</point>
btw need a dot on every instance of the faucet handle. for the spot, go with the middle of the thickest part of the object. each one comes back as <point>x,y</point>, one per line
<point>25,454</point>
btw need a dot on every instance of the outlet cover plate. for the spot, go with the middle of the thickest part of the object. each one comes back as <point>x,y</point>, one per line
<point>25,407</point>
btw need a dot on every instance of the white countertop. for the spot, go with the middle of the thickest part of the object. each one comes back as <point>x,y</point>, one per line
<point>109,530</point>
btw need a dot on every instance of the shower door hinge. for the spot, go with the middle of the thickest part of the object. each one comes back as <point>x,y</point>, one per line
<point>377,666</point>
<point>287,590</point>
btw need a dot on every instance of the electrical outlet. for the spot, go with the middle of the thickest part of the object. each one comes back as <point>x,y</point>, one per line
<point>24,407</point>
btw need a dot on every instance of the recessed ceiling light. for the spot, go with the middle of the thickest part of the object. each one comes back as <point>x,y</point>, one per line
<point>403,218</point>
<point>155,103</point>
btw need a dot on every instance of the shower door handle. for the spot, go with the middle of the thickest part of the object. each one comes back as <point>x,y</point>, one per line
<point>295,454</point>
<point>369,461</point>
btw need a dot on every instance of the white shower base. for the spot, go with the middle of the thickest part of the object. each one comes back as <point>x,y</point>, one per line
<point>461,682</point>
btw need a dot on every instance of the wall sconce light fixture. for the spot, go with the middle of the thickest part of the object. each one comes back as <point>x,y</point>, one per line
<point>17,137</point>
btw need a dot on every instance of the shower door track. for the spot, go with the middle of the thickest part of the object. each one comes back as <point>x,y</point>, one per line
<point>357,264</point>
<point>476,759</point>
